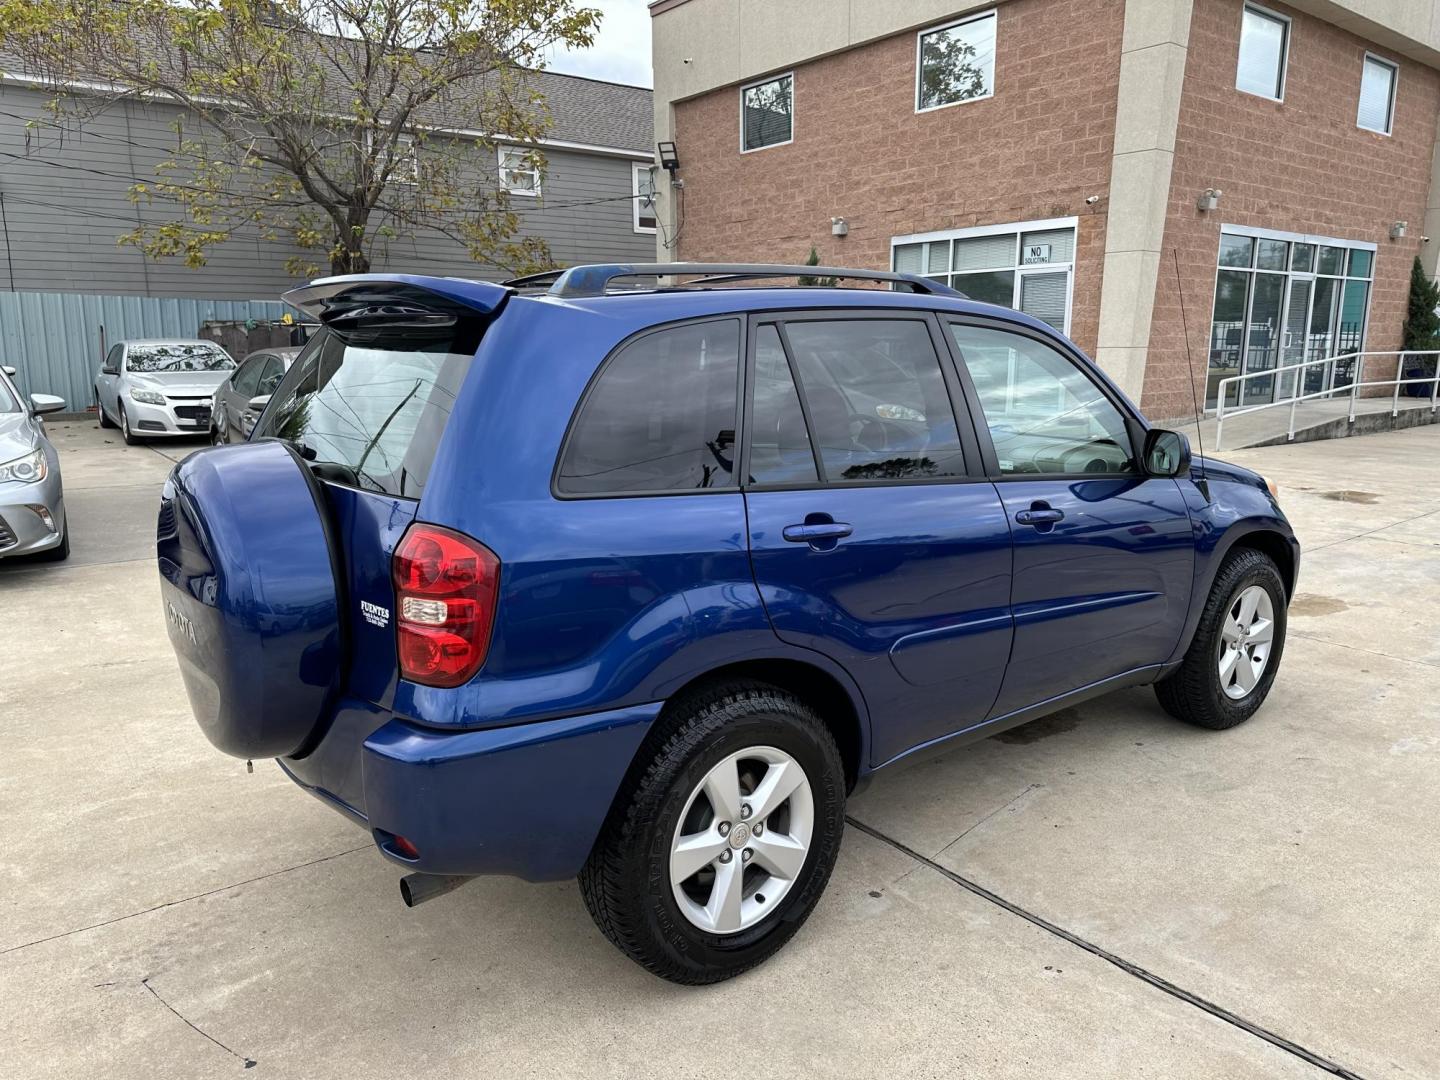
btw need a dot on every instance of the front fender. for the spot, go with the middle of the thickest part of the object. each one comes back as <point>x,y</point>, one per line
<point>1232,513</point>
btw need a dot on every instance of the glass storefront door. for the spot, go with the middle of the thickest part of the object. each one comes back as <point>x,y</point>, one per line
<point>1281,299</point>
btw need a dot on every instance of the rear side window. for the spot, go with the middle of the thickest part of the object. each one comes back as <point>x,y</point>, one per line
<point>877,403</point>
<point>249,376</point>
<point>371,409</point>
<point>660,417</point>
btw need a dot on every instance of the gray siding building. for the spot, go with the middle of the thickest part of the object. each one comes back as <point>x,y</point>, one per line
<point>64,194</point>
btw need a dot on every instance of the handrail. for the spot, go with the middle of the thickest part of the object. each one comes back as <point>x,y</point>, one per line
<point>1222,389</point>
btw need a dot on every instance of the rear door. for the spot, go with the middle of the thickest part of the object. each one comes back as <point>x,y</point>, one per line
<point>1104,555</point>
<point>874,536</point>
<point>366,410</point>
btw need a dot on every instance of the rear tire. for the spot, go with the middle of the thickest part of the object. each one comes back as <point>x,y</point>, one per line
<point>1205,689</point>
<point>105,421</point>
<point>746,729</point>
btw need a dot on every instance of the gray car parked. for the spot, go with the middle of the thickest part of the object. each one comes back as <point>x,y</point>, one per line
<point>32,504</point>
<point>242,397</point>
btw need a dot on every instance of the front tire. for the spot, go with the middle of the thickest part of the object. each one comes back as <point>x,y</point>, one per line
<point>1231,663</point>
<point>723,840</point>
<point>131,439</point>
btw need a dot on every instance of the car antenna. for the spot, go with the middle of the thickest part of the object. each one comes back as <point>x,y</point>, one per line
<point>1189,363</point>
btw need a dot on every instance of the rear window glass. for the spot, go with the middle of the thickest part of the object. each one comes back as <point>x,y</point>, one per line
<point>371,411</point>
<point>182,357</point>
<point>661,417</point>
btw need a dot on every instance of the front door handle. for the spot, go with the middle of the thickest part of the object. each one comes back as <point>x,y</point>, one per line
<point>1041,515</point>
<point>820,531</point>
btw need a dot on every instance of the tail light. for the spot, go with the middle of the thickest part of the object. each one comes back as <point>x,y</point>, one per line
<point>446,586</point>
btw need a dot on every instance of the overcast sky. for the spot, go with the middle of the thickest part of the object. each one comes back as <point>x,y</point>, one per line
<point>621,52</point>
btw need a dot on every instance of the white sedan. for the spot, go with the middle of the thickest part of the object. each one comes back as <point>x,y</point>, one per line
<point>160,387</point>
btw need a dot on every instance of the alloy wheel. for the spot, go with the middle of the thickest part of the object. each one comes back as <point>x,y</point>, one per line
<point>1246,636</point>
<point>742,840</point>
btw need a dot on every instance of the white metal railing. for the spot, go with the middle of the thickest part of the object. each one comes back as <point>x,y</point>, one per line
<point>1331,389</point>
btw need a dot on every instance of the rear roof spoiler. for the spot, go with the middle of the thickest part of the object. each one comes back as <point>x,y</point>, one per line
<point>392,297</point>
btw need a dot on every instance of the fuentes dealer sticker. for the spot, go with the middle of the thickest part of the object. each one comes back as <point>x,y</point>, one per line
<point>374,614</point>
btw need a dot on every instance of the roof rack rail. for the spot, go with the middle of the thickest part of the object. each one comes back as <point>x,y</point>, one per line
<point>595,280</point>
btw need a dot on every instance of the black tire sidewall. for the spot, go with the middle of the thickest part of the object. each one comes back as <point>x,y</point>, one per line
<point>660,803</point>
<point>1260,571</point>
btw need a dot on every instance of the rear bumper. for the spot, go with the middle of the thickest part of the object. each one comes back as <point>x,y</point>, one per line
<point>526,800</point>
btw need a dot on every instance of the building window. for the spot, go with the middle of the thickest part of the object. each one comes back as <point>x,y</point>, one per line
<point>1028,266</point>
<point>519,171</point>
<point>1264,50</point>
<point>955,63</point>
<point>1377,95</point>
<point>642,190</point>
<point>1281,300</point>
<point>767,113</point>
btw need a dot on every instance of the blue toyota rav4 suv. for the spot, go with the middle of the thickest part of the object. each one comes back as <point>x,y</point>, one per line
<point>594,574</point>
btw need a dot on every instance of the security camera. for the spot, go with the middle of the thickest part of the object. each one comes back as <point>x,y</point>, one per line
<point>1425,239</point>
<point>1092,200</point>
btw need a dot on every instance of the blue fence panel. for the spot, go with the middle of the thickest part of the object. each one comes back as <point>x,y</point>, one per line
<point>54,340</point>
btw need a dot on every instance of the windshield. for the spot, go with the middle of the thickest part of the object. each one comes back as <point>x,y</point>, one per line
<point>371,410</point>
<point>168,359</point>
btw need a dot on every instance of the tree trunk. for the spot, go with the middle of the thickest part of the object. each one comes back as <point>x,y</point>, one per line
<point>346,261</point>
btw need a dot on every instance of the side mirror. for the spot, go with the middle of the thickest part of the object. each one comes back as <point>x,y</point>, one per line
<point>257,404</point>
<point>8,370</point>
<point>44,403</point>
<point>1167,453</point>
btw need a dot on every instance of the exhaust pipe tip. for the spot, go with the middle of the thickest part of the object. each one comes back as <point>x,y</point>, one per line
<point>415,889</point>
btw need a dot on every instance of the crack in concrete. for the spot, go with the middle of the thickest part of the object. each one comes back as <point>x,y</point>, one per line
<point>1135,970</point>
<point>1028,788</point>
<point>1368,652</point>
<point>183,900</point>
<point>249,1062</point>
<point>1363,535</point>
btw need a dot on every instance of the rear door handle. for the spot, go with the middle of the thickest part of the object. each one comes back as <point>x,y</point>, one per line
<point>1039,515</point>
<point>809,534</point>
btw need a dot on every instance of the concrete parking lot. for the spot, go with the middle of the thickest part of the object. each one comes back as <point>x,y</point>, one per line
<point>1104,892</point>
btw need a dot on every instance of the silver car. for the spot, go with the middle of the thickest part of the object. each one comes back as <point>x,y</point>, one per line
<point>243,396</point>
<point>32,504</point>
<point>160,387</point>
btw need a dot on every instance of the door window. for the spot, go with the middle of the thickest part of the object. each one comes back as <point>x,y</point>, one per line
<point>112,359</point>
<point>780,450</point>
<point>1045,415</point>
<point>876,400</point>
<point>248,377</point>
<point>661,416</point>
<point>269,376</point>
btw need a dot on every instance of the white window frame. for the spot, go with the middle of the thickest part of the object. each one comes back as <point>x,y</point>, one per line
<point>1019,228</point>
<point>761,82</point>
<point>637,169</point>
<point>534,170</point>
<point>1383,61</point>
<point>921,35</point>
<point>1288,26</point>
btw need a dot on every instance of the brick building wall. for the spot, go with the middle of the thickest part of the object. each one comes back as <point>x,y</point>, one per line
<point>1034,150</point>
<point>1301,165</point>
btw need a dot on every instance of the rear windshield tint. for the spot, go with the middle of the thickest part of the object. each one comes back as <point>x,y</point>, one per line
<point>371,411</point>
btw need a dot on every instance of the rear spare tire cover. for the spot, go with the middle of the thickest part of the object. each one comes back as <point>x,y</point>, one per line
<point>250,591</point>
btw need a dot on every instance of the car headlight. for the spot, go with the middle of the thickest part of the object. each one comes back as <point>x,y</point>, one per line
<point>25,470</point>
<point>148,397</point>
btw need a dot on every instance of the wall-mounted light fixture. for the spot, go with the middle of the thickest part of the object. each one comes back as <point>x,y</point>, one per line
<point>1397,231</point>
<point>1209,199</point>
<point>839,227</point>
<point>669,159</point>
